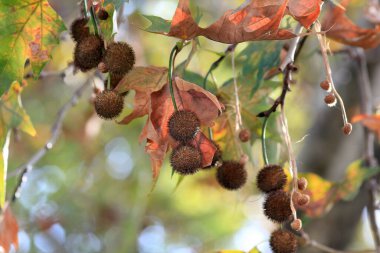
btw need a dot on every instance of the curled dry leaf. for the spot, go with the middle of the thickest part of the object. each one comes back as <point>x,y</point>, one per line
<point>340,28</point>
<point>8,229</point>
<point>256,20</point>
<point>372,122</point>
<point>153,99</point>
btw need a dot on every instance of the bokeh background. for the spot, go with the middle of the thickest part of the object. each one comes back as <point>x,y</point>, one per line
<point>93,191</point>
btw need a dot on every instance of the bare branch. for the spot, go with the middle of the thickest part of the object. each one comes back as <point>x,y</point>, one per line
<point>55,132</point>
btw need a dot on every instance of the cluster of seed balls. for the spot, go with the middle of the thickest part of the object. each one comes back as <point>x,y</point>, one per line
<point>186,159</point>
<point>271,180</point>
<point>117,59</point>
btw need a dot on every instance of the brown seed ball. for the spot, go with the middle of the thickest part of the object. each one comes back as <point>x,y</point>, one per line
<point>79,29</point>
<point>296,224</point>
<point>347,129</point>
<point>88,53</point>
<point>282,241</point>
<point>330,99</point>
<point>244,135</point>
<point>109,104</point>
<point>271,178</point>
<point>115,79</point>
<point>119,58</point>
<point>325,85</point>
<point>103,14</point>
<point>231,175</point>
<point>302,184</point>
<point>186,160</point>
<point>277,206</point>
<point>183,125</point>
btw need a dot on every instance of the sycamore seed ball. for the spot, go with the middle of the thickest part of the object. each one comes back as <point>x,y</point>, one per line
<point>277,206</point>
<point>186,160</point>
<point>231,175</point>
<point>88,53</point>
<point>282,241</point>
<point>79,29</point>
<point>119,58</point>
<point>109,104</point>
<point>271,178</point>
<point>183,125</point>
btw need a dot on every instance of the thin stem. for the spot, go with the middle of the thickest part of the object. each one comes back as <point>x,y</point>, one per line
<point>93,20</point>
<point>85,8</point>
<point>171,70</point>
<point>263,139</point>
<point>323,46</point>
<point>238,119</point>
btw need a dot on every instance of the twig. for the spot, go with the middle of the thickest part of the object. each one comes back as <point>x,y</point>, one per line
<point>172,56</point>
<point>364,86</point>
<point>292,49</point>
<point>238,120</point>
<point>55,132</point>
<point>323,47</point>
<point>263,143</point>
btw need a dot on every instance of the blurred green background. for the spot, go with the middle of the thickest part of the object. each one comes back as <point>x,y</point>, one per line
<point>92,191</point>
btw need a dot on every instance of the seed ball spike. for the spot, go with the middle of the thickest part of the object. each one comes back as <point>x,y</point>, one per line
<point>186,160</point>
<point>330,100</point>
<point>88,53</point>
<point>231,175</point>
<point>282,241</point>
<point>79,29</point>
<point>103,14</point>
<point>271,178</point>
<point>109,104</point>
<point>183,125</point>
<point>277,206</point>
<point>244,135</point>
<point>119,58</point>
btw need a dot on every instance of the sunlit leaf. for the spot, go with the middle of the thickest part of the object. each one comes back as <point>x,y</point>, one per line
<point>372,122</point>
<point>12,115</point>
<point>29,30</point>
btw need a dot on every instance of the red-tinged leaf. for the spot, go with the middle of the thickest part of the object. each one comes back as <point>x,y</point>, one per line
<point>372,122</point>
<point>153,99</point>
<point>259,20</point>
<point>8,229</point>
<point>305,11</point>
<point>340,28</point>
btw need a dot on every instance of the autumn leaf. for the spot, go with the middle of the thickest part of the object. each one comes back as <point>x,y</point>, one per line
<point>8,229</point>
<point>29,30</point>
<point>372,122</point>
<point>12,115</point>
<point>256,20</point>
<point>153,99</point>
<point>324,193</point>
<point>340,28</point>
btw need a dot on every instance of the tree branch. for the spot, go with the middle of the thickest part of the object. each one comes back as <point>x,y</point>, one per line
<point>55,132</point>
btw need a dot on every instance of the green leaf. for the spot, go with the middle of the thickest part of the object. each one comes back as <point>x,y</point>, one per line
<point>116,3</point>
<point>29,30</point>
<point>106,26</point>
<point>157,24</point>
<point>12,115</point>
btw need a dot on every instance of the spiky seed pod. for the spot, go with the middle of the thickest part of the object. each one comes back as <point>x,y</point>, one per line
<point>330,99</point>
<point>88,53</point>
<point>277,206</point>
<point>79,29</point>
<point>282,241</point>
<point>103,14</point>
<point>296,224</point>
<point>119,58</point>
<point>186,159</point>
<point>115,79</point>
<point>244,135</point>
<point>109,104</point>
<point>347,129</point>
<point>302,184</point>
<point>231,175</point>
<point>183,125</point>
<point>325,85</point>
<point>271,178</point>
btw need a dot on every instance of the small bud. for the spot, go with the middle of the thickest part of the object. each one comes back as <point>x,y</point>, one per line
<point>325,85</point>
<point>303,200</point>
<point>296,224</point>
<point>102,67</point>
<point>244,135</point>
<point>330,100</point>
<point>302,183</point>
<point>347,129</point>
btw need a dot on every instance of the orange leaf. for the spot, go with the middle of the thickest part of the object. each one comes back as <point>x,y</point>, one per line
<point>372,122</point>
<point>8,229</point>
<point>153,99</point>
<point>340,28</point>
<point>305,11</point>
